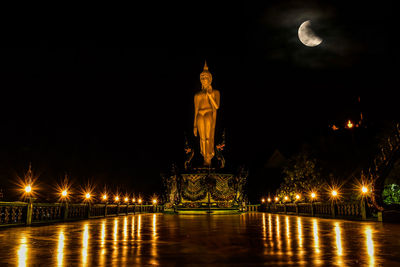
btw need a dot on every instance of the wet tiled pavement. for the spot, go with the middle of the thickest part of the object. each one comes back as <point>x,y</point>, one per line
<point>250,239</point>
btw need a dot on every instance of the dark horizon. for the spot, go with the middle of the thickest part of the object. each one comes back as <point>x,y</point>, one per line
<point>113,106</point>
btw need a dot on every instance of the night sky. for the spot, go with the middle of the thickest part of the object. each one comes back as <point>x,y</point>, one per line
<point>106,93</point>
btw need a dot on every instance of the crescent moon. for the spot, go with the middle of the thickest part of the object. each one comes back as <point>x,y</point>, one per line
<point>307,35</point>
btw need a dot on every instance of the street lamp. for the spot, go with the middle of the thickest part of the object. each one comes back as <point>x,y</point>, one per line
<point>154,201</point>
<point>28,189</point>
<point>276,199</point>
<point>313,195</point>
<point>140,201</point>
<point>269,199</point>
<point>104,197</point>
<point>116,198</point>
<point>286,198</point>
<point>263,200</point>
<point>126,199</point>
<point>364,190</point>
<point>334,193</point>
<point>349,124</point>
<point>87,196</point>
<point>64,193</point>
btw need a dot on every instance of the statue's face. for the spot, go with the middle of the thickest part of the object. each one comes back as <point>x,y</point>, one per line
<point>205,80</point>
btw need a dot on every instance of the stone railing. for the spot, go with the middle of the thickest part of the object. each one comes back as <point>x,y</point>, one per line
<point>350,210</point>
<point>27,213</point>
<point>13,213</point>
<point>252,207</point>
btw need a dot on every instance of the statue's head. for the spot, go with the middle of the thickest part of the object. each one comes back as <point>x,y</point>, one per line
<point>205,77</point>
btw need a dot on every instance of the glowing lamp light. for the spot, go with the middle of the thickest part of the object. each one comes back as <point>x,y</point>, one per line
<point>133,200</point>
<point>117,198</point>
<point>286,198</point>
<point>28,189</point>
<point>154,201</point>
<point>263,200</point>
<point>104,197</point>
<point>364,190</point>
<point>140,201</point>
<point>87,195</point>
<point>126,199</point>
<point>276,199</point>
<point>64,193</point>
<point>313,195</point>
<point>297,197</point>
<point>334,193</point>
<point>269,199</point>
<point>350,124</point>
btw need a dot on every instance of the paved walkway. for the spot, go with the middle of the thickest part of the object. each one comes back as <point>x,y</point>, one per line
<point>250,239</point>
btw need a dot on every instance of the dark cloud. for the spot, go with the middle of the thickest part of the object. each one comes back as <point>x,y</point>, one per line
<point>349,32</point>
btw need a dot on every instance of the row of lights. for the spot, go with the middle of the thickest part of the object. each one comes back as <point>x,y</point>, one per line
<point>334,194</point>
<point>88,196</point>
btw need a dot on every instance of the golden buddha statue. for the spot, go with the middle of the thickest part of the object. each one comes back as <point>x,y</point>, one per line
<point>206,104</point>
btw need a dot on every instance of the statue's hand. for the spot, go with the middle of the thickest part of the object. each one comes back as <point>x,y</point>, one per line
<point>195,131</point>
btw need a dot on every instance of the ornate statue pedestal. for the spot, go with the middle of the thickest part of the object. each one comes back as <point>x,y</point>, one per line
<point>206,191</point>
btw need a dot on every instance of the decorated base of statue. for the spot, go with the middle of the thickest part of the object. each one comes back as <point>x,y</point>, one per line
<point>205,191</point>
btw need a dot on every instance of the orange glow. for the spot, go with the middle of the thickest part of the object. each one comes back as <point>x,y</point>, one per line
<point>349,124</point>
<point>335,128</point>
<point>263,200</point>
<point>269,199</point>
<point>313,195</point>
<point>126,199</point>
<point>133,200</point>
<point>364,189</point>
<point>87,195</point>
<point>104,197</point>
<point>154,201</point>
<point>64,193</point>
<point>117,198</point>
<point>276,199</point>
<point>297,197</point>
<point>286,198</point>
<point>334,193</point>
<point>28,189</point>
<point>140,201</point>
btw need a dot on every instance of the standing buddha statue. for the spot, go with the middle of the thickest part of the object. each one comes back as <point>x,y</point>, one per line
<point>206,104</point>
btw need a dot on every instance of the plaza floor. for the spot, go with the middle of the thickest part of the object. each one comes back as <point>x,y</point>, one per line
<point>250,239</point>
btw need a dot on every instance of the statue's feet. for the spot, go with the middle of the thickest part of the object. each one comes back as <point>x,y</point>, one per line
<point>207,163</point>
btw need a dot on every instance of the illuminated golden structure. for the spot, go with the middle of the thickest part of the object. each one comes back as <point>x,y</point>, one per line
<point>206,104</point>
<point>203,187</point>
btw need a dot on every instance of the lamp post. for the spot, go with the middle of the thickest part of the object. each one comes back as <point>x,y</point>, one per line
<point>364,191</point>
<point>140,203</point>
<point>104,198</point>
<point>134,204</point>
<point>313,196</point>
<point>154,205</point>
<point>334,194</point>
<point>28,191</point>
<point>116,198</point>
<point>87,199</point>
